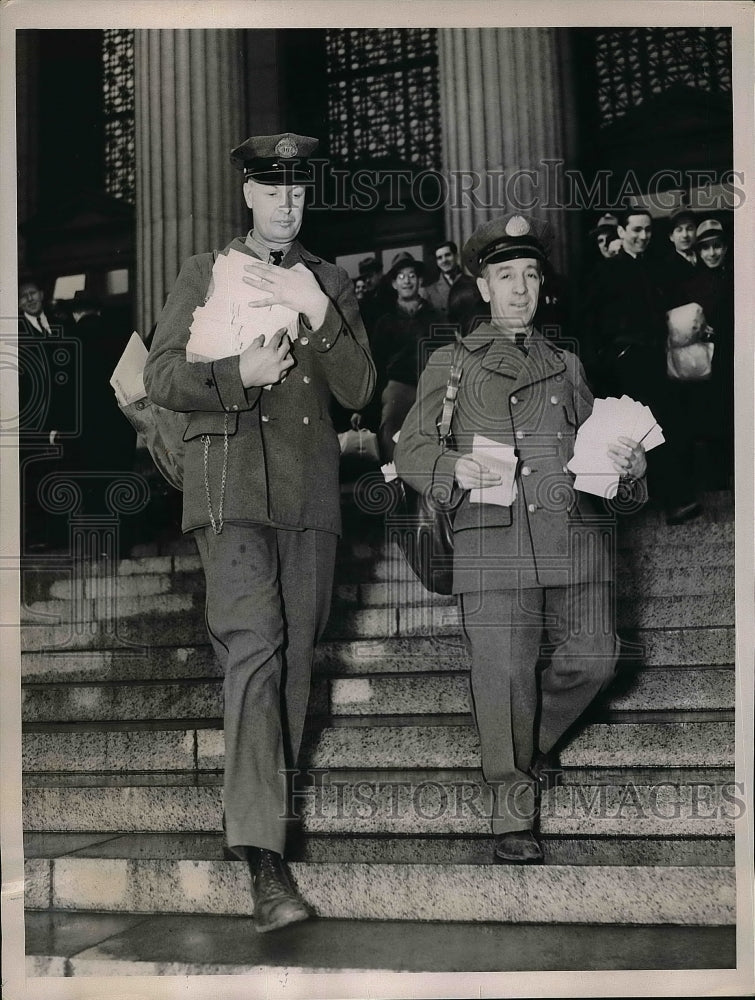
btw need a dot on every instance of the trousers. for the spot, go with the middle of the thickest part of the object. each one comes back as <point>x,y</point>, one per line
<point>268,594</point>
<point>504,630</point>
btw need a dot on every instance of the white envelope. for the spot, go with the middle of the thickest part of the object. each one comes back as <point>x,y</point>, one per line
<point>499,458</point>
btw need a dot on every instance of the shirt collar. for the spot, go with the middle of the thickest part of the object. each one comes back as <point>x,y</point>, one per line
<point>261,249</point>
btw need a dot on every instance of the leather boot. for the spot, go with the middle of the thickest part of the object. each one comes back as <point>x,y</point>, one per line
<point>276,902</point>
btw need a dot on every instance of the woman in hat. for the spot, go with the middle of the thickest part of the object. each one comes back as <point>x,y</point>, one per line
<point>713,288</point>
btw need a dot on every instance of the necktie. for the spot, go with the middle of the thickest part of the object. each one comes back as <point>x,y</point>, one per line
<point>276,256</point>
<point>519,340</point>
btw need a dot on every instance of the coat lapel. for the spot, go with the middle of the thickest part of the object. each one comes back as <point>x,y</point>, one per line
<point>503,358</point>
<point>541,363</point>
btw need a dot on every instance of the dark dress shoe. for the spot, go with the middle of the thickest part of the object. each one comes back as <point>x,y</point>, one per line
<point>520,846</point>
<point>276,902</point>
<point>686,512</point>
<point>546,770</point>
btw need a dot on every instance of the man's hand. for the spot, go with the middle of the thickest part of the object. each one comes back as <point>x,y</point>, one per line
<point>295,287</point>
<point>266,364</point>
<point>472,475</point>
<point>628,458</point>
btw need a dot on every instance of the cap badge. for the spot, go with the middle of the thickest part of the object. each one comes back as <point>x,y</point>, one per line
<point>517,226</point>
<point>286,147</point>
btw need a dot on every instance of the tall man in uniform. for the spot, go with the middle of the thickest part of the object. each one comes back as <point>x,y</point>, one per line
<point>536,563</point>
<point>261,493</point>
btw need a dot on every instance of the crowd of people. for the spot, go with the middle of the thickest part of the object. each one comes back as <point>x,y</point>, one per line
<point>69,423</point>
<point>639,269</point>
<point>638,279</point>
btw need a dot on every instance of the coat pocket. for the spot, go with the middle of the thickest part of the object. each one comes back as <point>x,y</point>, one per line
<point>202,422</point>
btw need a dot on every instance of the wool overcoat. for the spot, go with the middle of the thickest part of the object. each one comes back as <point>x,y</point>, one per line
<point>552,535</point>
<point>282,451</point>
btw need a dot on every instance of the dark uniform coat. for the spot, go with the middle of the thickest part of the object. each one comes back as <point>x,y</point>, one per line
<point>283,452</point>
<point>535,404</point>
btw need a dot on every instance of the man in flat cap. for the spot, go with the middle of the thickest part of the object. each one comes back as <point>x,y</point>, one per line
<point>527,559</point>
<point>680,264</point>
<point>261,492</point>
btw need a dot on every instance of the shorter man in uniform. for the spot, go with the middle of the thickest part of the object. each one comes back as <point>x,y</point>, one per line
<point>540,561</point>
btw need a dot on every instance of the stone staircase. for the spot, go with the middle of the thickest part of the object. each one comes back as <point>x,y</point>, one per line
<point>123,756</point>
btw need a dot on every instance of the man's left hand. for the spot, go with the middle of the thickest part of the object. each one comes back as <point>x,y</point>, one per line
<point>628,458</point>
<point>295,287</point>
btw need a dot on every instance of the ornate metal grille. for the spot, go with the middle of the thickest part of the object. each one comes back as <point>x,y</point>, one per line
<point>383,95</point>
<point>118,104</point>
<point>634,63</point>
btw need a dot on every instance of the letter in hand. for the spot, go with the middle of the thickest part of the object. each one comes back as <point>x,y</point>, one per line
<point>266,364</point>
<point>471,474</point>
<point>628,458</point>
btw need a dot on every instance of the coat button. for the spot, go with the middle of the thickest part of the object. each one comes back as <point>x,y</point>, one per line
<point>306,420</point>
<point>304,340</point>
<point>234,407</point>
<point>306,380</point>
<point>526,470</point>
<point>265,418</point>
<point>554,400</point>
<point>531,508</point>
<point>559,435</point>
<point>520,434</point>
<point>514,400</point>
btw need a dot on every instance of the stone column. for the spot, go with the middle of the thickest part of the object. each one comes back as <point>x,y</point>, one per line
<point>190,113</point>
<point>506,107</point>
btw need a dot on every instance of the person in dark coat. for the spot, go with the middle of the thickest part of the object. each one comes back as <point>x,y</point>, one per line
<point>106,443</point>
<point>49,393</point>
<point>521,561</point>
<point>401,341</point>
<point>450,272</point>
<point>713,287</point>
<point>678,267</point>
<point>261,493</point>
<point>625,325</point>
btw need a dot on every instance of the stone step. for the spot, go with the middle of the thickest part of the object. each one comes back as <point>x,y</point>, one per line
<point>660,567</point>
<point>681,688</point>
<point>404,849</point>
<point>379,602</point>
<point>193,748</point>
<point>91,944</point>
<point>426,803</point>
<point>673,647</point>
<point>173,619</point>
<point>390,582</point>
<point>475,893</point>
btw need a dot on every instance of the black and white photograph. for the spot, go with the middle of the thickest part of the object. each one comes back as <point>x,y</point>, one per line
<point>439,316</point>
